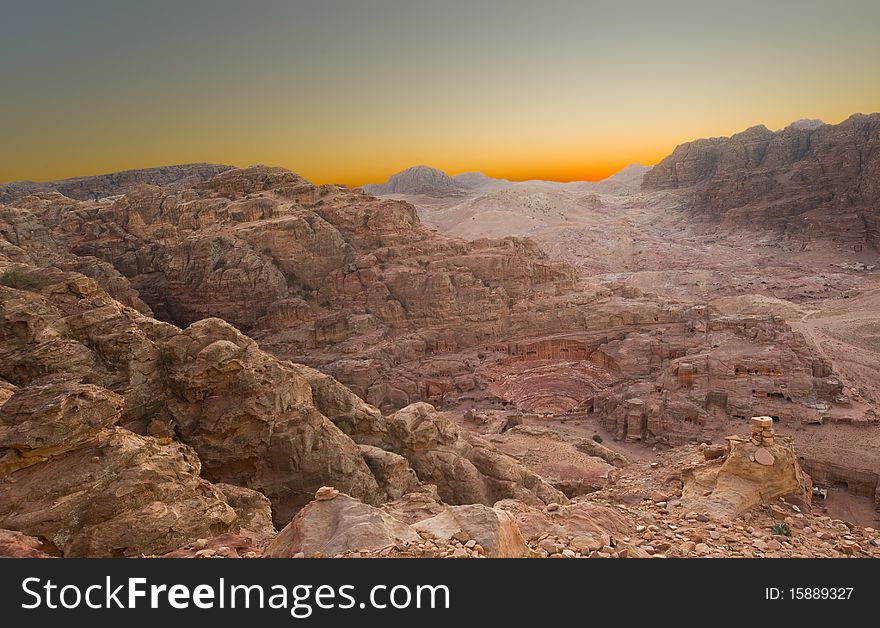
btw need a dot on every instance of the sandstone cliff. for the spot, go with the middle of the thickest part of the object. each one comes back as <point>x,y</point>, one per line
<point>808,180</point>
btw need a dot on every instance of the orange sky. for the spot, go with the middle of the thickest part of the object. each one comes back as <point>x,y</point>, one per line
<point>351,91</point>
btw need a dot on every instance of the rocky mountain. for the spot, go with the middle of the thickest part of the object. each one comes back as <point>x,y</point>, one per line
<point>808,180</point>
<point>806,123</point>
<point>415,180</point>
<point>113,184</point>
<point>186,368</point>
<point>333,277</point>
<point>422,180</point>
<point>624,181</point>
<point>121,435</point>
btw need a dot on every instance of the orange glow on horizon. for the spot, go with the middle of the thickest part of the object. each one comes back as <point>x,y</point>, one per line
<point>354,92</point>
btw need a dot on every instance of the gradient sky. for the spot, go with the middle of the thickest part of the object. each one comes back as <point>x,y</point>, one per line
<point>351,91</point>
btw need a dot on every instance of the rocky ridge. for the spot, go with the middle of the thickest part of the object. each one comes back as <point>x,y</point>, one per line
<point>112,184</point>
<point>808,180</point>
<point>122,435</point>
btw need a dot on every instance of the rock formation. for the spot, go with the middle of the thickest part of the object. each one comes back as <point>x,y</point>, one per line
<point>17,545</point>
<point>415,180</point>
<point>492,529</point>
<point>91,489</point>
<point>808,180</point>
<point>318,274</point>
<point>135,417</point>
<point>750,474</point>
<point>113,184</point>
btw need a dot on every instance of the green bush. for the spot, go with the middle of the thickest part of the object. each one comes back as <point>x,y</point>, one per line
<point>597,438</point>
<point>781,528</point>
<point>16,279</point>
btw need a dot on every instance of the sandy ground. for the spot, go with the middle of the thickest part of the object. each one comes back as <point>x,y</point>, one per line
<point>847,507</point>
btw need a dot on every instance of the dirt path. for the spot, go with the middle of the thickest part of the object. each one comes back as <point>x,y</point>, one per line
<point>837,332</point>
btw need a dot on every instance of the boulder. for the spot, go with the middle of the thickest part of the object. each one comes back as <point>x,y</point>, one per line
<point>495,530</point>
<point>14,544</point>
<point>253,509</point>
<point>418,505</point>
<point>119,494</point>
<point>392,471</point>
<point>339,525</point>
<point>579,518</point>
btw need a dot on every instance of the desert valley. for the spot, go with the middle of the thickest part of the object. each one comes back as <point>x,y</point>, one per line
<point>678,360</point>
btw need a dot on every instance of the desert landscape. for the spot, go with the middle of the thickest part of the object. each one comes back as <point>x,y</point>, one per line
<point>679,360</point>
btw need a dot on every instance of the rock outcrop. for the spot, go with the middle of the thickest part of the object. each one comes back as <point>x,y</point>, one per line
<point>249,416</point>
<point>91,489</point>
<point>750,474</point>
<point>465,468</point>
<point>252,420</point>
<point>392,472</point>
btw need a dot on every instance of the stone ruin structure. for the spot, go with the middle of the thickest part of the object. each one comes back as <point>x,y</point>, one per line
<point>750,365</point>
<point>762,431</point>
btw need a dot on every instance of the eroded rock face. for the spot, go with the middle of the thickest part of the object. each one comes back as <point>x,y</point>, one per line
<point>42,421</point>
<point>564,465</point>
<point>119,494</point>
<point>69,476</point>
<point>26,239</point>
<point>809,181</point>
<point>99,186</point>
<point>253,509</point>
<point>252,420</point>
<point>339,525</point>
<point>354,284</point>
<point>465,467</point>
<point>250,417</point>
<point>17,545</point>
<point>392,471</point>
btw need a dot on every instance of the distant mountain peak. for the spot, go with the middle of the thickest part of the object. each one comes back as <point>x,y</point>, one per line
<point>414,180</point>
<point>806,124</point>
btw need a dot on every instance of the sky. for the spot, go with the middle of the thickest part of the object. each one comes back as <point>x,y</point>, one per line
<point>350,91</point>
